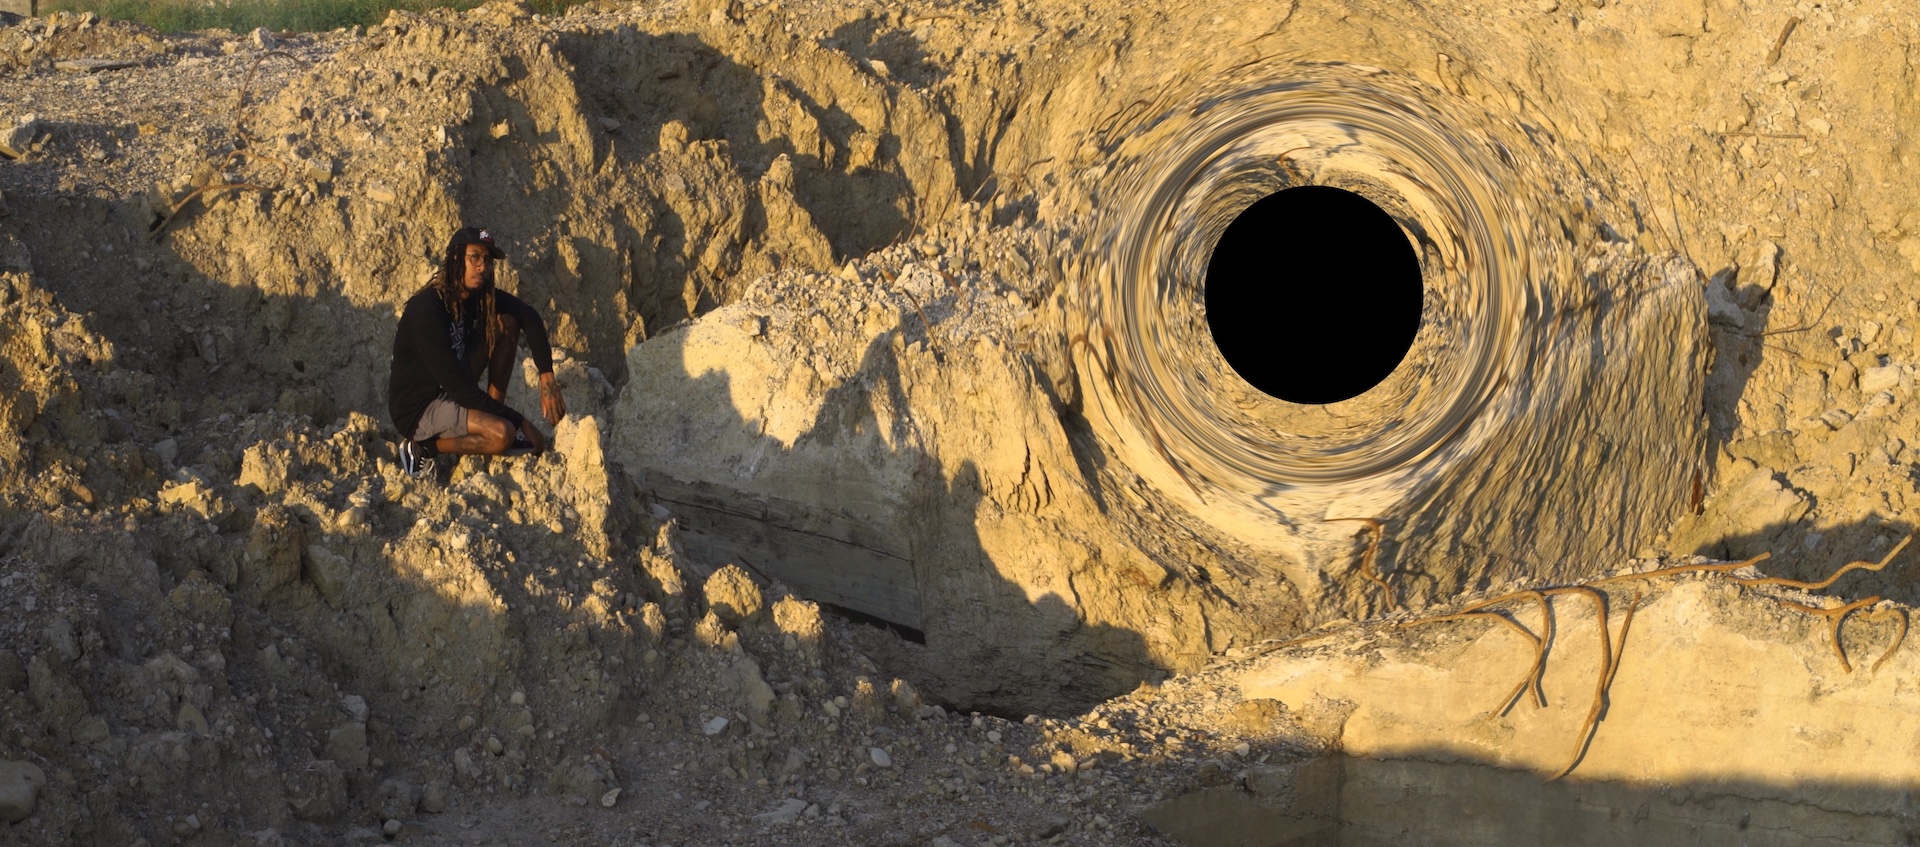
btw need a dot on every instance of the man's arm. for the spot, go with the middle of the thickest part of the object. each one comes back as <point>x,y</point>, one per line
<point>553,406</point>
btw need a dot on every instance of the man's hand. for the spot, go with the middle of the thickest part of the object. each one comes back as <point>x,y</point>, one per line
<point>553,407</point>
<point>533,435</point>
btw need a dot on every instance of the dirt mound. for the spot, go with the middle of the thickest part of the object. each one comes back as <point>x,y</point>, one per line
<point>41,44</point>
<point>887,315</point>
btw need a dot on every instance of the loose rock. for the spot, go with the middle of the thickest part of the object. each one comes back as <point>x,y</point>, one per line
<point>20,784</point>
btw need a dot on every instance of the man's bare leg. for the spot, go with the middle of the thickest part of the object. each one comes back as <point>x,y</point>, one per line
<point>486,436</point>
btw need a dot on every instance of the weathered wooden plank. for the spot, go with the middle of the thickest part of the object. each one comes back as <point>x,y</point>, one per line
<point>824,555</point>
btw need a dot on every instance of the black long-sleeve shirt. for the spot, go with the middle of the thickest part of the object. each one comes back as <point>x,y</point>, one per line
<point>429,357</point>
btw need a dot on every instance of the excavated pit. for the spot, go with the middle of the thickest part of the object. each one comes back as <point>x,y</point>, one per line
<point>904,311</point>
<point>1793,746</point>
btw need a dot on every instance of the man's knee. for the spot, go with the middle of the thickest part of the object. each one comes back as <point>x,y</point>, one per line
<point>496,434</point>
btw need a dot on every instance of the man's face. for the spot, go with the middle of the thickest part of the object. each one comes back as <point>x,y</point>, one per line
<point>478,260</point>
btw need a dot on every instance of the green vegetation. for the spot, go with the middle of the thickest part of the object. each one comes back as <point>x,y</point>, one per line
<point>278,15</point>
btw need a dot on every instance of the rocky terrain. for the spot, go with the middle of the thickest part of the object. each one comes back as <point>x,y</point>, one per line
<point>900,501</point>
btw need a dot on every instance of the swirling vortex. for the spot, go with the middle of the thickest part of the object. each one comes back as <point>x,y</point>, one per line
<point>1478,210</point>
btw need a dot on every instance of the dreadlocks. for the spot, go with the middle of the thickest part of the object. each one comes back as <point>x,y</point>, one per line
<point>450,284</point>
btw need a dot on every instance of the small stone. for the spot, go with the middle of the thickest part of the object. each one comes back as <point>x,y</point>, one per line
<point>23,138</point>
<point>398,798</point>
<point>494,746</point>
<point>92,66</point>
<point>59,636</point>
<point>610,125</point>
<point>905,696</point>
<point>796,761</point>
<point>788,811</point>
<point>1546,7</point>
<point>1242,749</point>
<point>464,765</point>
<point>391,827</point>
<point>715,725</point>
<point>584,779</point>
<point>1723,305</point>
<point>1879,379</point>
<point>880,757</point>
<point>831,708</point>
<point>19,789</point>
<point>1878,402</point>
<point>433,799</point>
<point>191,720</point>
<point>518,698</point>
<point>263,40</point>
<point>994,736</point>
<point>347,744</point>
<point>355,706</point>
<point>501,129</point>
<point>1869,332</point>
<point>1836,418</point>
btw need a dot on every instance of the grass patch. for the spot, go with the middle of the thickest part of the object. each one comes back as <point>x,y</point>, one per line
<point>277,15</point>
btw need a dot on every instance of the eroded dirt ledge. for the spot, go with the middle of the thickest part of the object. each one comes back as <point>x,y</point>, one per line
<point>812,269</point>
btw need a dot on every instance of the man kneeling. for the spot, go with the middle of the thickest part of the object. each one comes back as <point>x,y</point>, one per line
<point>452,332</point>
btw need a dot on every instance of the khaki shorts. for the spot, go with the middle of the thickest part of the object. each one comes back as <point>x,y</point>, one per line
<point>442,419</point>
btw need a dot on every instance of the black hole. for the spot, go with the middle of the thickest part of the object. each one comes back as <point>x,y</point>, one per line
<point>1313,294</point>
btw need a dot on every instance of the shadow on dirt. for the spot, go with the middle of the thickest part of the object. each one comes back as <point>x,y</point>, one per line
<point>1801,551</point>
<point>1347,801</point>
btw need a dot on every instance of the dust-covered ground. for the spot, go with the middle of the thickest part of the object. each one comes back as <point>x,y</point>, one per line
<point>817,278</point>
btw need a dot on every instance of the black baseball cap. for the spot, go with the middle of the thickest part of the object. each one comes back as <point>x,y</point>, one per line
<point>474,235</point>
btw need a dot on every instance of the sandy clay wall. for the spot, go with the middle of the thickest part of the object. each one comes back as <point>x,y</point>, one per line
<point>891,312</point>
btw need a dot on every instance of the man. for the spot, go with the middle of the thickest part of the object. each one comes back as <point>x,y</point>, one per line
<point>453,331</point>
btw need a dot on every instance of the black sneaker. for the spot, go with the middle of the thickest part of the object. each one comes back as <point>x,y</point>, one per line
<point>414,463</point>
<point>521,446</point>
